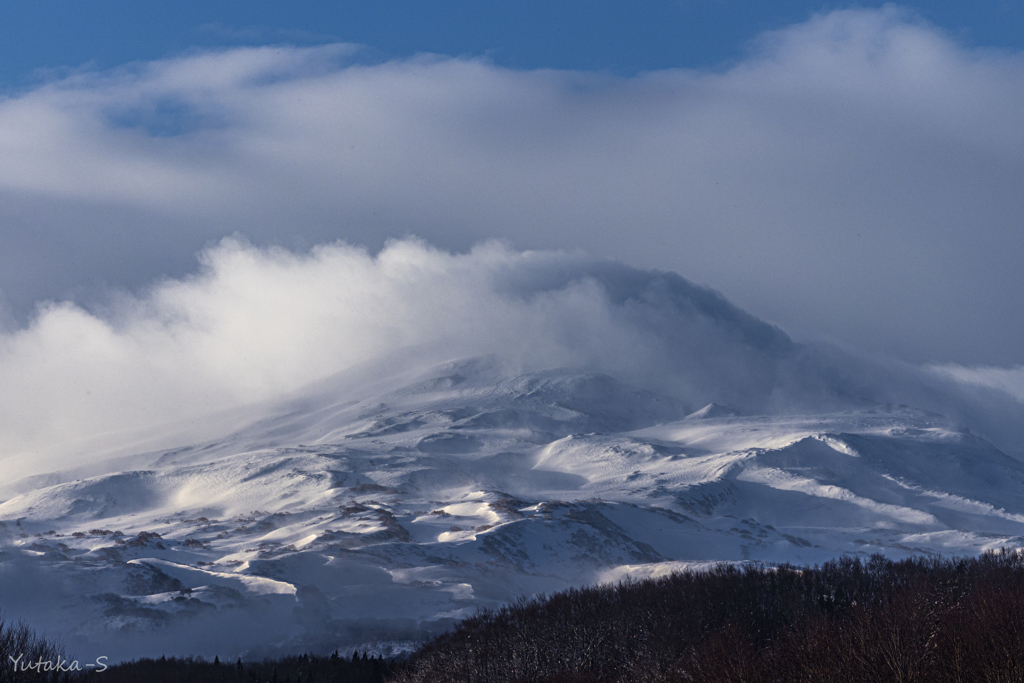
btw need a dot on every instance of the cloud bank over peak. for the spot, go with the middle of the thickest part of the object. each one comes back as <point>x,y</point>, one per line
<point>255,325</point>
<point>855,177</point>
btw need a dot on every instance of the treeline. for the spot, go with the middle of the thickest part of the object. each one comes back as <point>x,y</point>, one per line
<point>296,669</point>
<point>20,648</point>
<point>932,620</point>
<point>27,656</point>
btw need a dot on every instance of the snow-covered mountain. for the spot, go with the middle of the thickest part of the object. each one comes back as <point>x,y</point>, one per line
<point>622,423</point>
<point>334,524</point>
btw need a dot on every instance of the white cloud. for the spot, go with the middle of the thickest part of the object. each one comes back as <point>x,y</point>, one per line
<point>856,177</point>
<point>255,325</point>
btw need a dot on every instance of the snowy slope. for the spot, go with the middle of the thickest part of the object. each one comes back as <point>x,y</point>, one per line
<point>385,516</point>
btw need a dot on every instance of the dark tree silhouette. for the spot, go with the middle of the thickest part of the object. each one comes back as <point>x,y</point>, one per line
<point>25,655</point>
<point>923,619</point>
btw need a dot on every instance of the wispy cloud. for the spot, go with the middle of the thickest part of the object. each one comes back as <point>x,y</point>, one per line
<point>1009,380</point>
<point>857,176</point>
<point>255,325</point>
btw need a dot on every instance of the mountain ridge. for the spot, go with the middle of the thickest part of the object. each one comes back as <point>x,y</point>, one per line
<point>344,519</point>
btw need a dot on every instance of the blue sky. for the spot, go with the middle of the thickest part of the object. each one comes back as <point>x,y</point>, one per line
<point>623,37</point>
